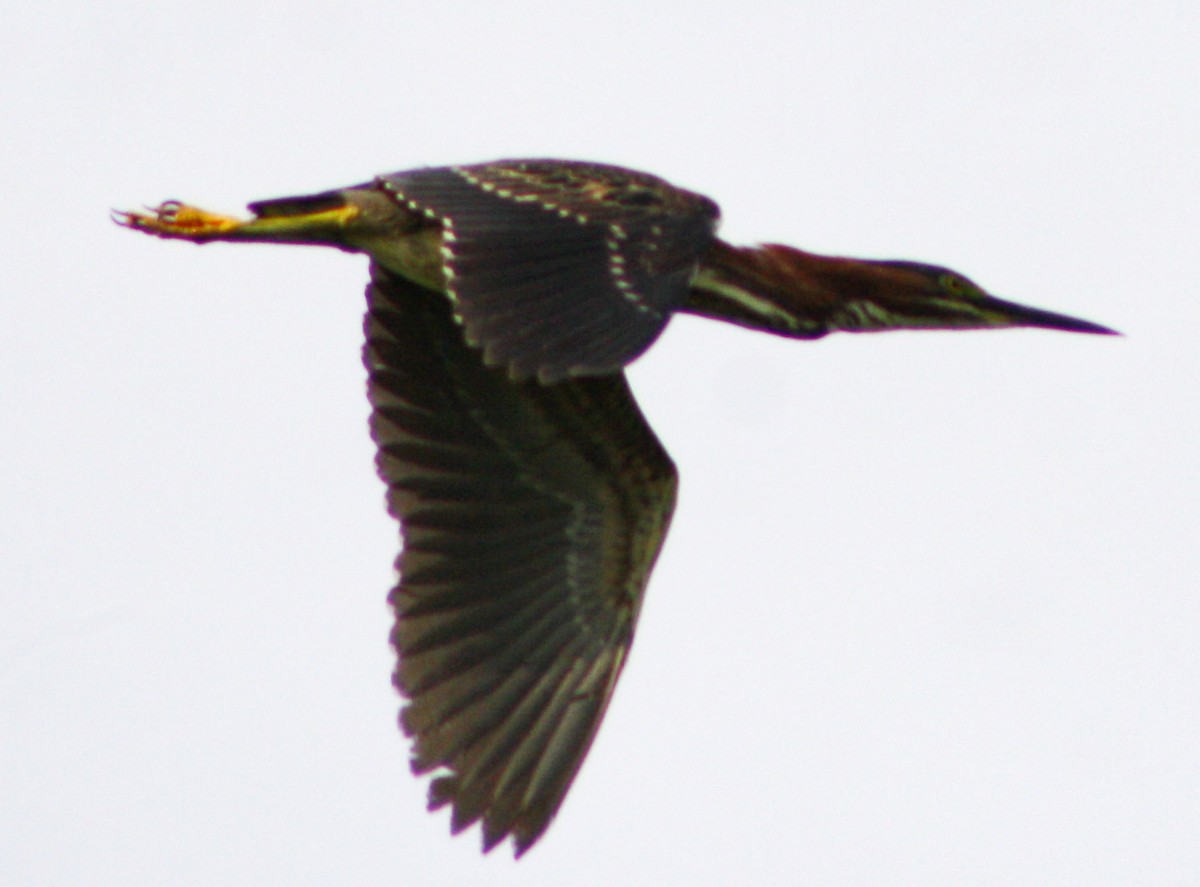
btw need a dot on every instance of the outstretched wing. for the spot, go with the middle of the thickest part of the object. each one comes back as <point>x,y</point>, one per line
<point>560,269</point>
<point>531,517</point>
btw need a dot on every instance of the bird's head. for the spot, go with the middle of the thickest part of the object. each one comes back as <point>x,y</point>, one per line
<point>797,293</point>
<point>897,294</point>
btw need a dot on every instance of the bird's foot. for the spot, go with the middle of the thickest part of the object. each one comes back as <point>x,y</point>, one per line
<point>179,220</point>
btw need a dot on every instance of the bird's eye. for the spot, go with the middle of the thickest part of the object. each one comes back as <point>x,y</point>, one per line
<point>957,285</point>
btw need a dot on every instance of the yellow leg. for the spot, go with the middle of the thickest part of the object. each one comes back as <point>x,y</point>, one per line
<point>181,221</point>
<point>175,219</point>
<point>364,220</point>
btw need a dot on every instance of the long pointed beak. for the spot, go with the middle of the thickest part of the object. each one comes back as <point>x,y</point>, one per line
<point>1007,313</point>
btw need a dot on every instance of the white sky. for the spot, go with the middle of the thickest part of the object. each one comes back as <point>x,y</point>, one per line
<point>929,609</point>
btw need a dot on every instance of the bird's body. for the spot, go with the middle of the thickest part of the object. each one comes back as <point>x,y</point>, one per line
<point>506,298</point>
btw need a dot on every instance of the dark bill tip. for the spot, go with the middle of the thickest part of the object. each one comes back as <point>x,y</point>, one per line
<point>1021,315</point>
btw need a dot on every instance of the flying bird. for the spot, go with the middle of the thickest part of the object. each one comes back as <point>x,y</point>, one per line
<point>505,300</point>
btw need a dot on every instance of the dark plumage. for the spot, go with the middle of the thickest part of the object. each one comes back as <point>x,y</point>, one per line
<point>506,299</point>
<point>532,515</point>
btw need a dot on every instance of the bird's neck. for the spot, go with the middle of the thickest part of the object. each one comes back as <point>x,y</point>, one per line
<point>775,288</point>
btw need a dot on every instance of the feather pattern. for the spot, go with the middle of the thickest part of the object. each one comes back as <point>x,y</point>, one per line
<point>532,515</point>
<point>560,270</point>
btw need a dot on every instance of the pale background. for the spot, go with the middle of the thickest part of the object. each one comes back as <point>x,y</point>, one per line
<point>929,610</point>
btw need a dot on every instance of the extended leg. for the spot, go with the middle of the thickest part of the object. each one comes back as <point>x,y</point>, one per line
<point>362,219</point>
<point>180,221</point>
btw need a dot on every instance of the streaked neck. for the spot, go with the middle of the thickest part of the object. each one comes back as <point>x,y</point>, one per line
<point>774,288</point>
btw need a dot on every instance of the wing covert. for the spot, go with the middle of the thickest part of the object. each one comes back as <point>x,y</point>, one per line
<point>560,269</point>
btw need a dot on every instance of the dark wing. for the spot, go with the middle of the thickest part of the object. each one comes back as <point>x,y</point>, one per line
<point>557,268</point>
<point>531,518</point>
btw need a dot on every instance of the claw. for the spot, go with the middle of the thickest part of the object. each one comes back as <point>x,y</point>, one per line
<point>173,218</point>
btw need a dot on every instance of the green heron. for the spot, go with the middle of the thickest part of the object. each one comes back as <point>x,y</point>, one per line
<point>505,300</point>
